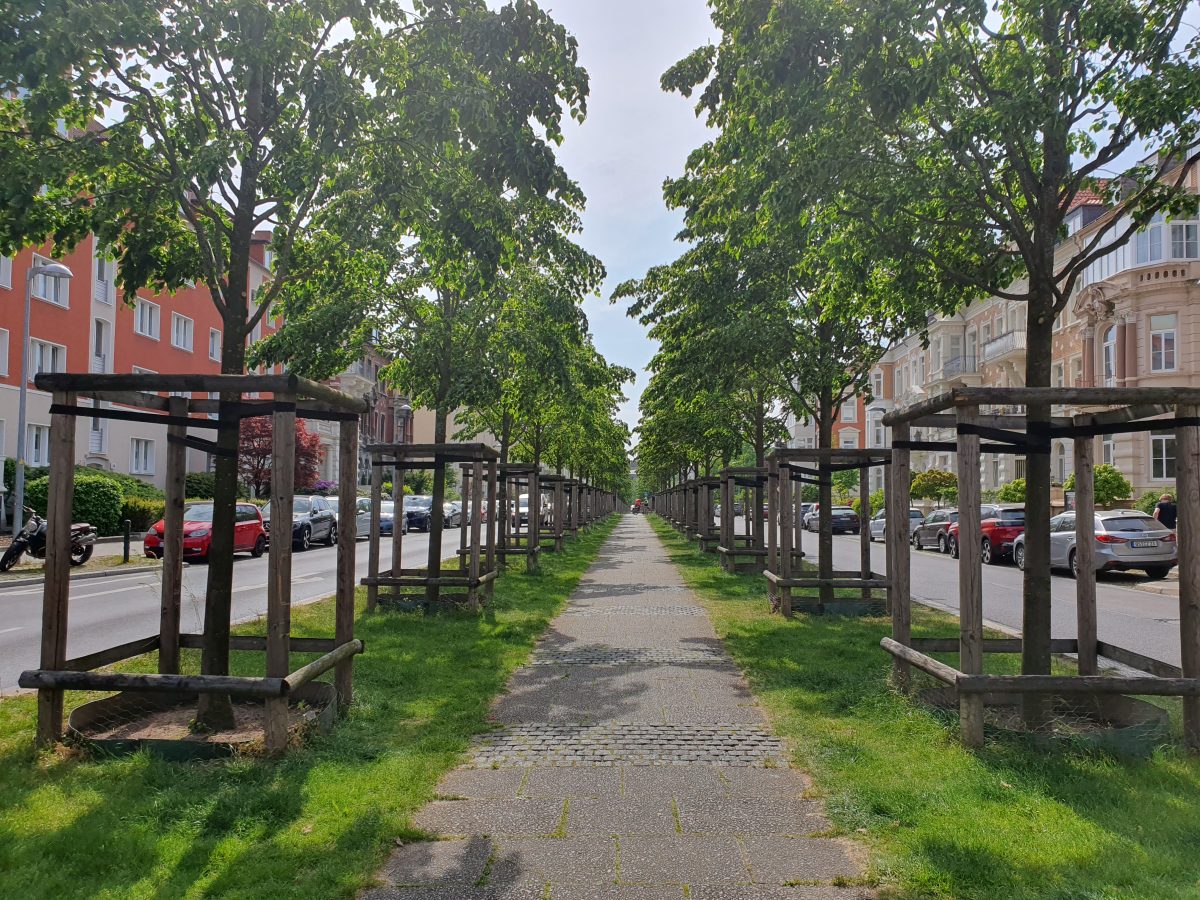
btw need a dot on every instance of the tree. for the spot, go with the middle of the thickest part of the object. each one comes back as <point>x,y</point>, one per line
<point>256,455</point>
<point>1110,484</point>
<point>225,118</point>
<point>958,136</point>
<point>1016,491</point>
<point>845,483</point>
<point>935,484</point>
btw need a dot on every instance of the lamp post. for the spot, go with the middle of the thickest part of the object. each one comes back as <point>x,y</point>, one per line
<point>56,271</point>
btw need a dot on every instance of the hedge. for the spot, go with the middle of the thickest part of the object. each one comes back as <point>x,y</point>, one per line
<point>201,485</point>
<point>142,513</point>
<point>97,500</point>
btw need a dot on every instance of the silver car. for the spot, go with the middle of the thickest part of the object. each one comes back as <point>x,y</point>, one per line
<point>1125,539</point>
<point>879,523</point>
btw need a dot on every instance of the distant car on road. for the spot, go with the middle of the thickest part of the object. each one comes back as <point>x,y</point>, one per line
<point>452,514</point>
<point>313,519</point>
<point>249,535</point>
<point>879,523</point>
<point>1000,526</point>
<point>418,510</point>
<point>841,518</point>
<point>934,531</point>
<point>1126,539</point>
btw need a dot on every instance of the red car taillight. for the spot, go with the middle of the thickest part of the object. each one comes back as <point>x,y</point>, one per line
<point>1168,539</point>
<point>1111,539</point>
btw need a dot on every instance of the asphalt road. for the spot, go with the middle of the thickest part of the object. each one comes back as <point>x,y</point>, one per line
<point>105,612</point>
<point>1137,620</point>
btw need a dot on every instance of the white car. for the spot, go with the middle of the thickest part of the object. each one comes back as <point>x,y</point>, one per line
<point>879,523</point>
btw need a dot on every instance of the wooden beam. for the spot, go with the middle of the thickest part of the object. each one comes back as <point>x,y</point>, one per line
<point>100,658</point>
<point>375,537</point>
<point>343,679</point>
<point>1085,554</point>
<point>1187,474</point>
<point>259,642</point>
<point>927,664</point>
<point>279,568</point>
<point>318,667</point>
<point>172,545</point>
<point>1079,684</point>
<point>935,404</point>
<point>56,589</point>
<point>899,562</point>
<point>234,686</point>
<point>970,575</point>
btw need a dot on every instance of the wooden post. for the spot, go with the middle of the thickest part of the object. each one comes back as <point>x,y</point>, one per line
<point>57,586</point>
<point>172,546</point>
<point>1085,554</point>
<point>727,521</point>
<point>774,524</point>
<point>490,550</point>
<point>398,513</point>
<point>535,522</point>
<point>347,550</point>
<point>279,570</point>
<point>464,525</point>
<point>560,515</point>
<point>1187,472</point>
<point>785,539</point>
<point>473,568</point>
<point>376,538</point>
<point>864,527</point>
<point>898,548</point>
<point>970,576</point>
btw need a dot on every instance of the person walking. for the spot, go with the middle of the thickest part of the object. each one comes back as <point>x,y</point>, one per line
<point>1166,512</point>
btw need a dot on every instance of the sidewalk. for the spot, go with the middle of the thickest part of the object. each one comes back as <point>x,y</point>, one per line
<point>632,762</point>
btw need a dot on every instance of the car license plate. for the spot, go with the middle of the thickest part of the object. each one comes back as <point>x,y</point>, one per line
<point>1141,544</point>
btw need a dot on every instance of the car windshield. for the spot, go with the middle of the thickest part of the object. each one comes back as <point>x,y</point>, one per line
<point>418,502</point>
<point>198,512</point>
<point>1131,523</point>
<point>301,506</point>
<point>842,510</point>
<point>387,507</point>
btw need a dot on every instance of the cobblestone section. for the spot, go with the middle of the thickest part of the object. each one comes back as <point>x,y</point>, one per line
<point>629,761</point>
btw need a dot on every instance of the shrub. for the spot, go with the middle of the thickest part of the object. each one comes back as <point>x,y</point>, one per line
<point>877,501</point>
<point>1013,492</point>
<point>128,485</point>
<point>141,512</point>
<point>97,500</point>
<point>1147,502</point>
<point>201,485</point>
<point>1110,484</point>
<point>324,488</point>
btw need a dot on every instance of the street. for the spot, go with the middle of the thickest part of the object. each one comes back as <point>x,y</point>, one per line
<point>1137,620</point>
<point>105,612</point>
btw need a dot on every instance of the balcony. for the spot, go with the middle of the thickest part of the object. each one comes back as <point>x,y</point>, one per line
<point>960,365</point>
<point>1006,345</point>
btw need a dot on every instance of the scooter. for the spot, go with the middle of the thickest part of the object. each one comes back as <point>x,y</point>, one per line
<point>32,540</point>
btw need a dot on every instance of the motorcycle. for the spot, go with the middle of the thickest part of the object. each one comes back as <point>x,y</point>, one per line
<point>32,540</point>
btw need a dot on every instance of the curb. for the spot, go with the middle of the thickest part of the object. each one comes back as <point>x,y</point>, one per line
<point>82,576</point>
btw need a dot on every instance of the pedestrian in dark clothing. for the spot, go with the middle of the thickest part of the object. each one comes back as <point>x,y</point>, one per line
<point>1165,511</point>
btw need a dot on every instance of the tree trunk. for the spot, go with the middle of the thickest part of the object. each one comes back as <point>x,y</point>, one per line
<point>1035,646</point>
<point>502,488</point>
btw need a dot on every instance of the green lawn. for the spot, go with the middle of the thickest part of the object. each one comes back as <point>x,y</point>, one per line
<point>315,824</point>
<point>1006,822</point>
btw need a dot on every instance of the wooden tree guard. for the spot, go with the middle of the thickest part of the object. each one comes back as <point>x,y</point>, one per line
<point>787,470</point>
<point>708,532</point>
<point>745,552</point>
<point>1125,410</point>
<point>555,527</point>
<point>470,581</point>
<point>571,521</point>
<point>289,398</point>
<point>516,537</point>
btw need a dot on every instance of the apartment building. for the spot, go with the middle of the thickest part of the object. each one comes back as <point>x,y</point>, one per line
<point>84,326</point>
<point>1133,321</point>
<point>848,430</point>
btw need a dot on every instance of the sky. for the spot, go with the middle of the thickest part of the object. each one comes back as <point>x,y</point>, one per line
<point>634,137</point>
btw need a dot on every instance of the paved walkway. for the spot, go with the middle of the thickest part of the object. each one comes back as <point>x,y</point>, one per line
<point>632,762</point>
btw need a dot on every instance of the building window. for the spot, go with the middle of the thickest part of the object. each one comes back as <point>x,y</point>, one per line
<point>1077,371</point>
<point>848,439</point>
<point>145,319</point>
<point>1109,357</point>
<point>181,332</point>
<point>1162,343</point>
<point>52,290</point>
<point>98,436</point>
<point>141,456</point>
<point>1183,241</point>
<point>1060,462</point>
<point>878,437</point>
<point>1148,242</point>
<point>1060,375</point>
<point>850,410</point>
<point>46,357</point>
<point>214,345</point>
<point>1108,450</point>
<point>877,384</point>
<point>1162,455</point>
<point>3,355</point>
<point>106,274</point>
<point>37,445</point>
<point>6,271</point>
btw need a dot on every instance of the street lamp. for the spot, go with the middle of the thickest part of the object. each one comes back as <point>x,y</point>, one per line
<point>57,271</point>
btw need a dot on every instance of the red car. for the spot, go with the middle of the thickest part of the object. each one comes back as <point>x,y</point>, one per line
<point>1000,524</point>
<point>248,533</point>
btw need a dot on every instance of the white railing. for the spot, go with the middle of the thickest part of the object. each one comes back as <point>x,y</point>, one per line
<point>960,365</point>
<point>1006,343</point>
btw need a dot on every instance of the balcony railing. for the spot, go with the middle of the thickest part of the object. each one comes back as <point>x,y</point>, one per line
<point>960,365</point>
<point>99,364</point>
<point>1003,345</point>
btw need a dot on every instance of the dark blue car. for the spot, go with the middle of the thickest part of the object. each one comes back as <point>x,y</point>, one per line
<point>418,510</point>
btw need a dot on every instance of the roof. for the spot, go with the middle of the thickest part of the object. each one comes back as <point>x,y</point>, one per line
<point>1085,197</point>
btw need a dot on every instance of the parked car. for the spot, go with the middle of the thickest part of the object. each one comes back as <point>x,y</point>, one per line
<point>841,518</point>
<point>452,514</point>
<point>418,511</point>
<point>934,531</point>
<point>249,533</point>
<point>1000,526</point>
<point>879,523</point>
<point>313,519</point>
<point>1125,539</point>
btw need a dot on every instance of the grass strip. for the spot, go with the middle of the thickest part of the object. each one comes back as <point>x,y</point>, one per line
<point>317,823</point>
<point>1009,821</point>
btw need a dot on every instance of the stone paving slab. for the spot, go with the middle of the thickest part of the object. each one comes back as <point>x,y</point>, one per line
<point>633,763</point>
